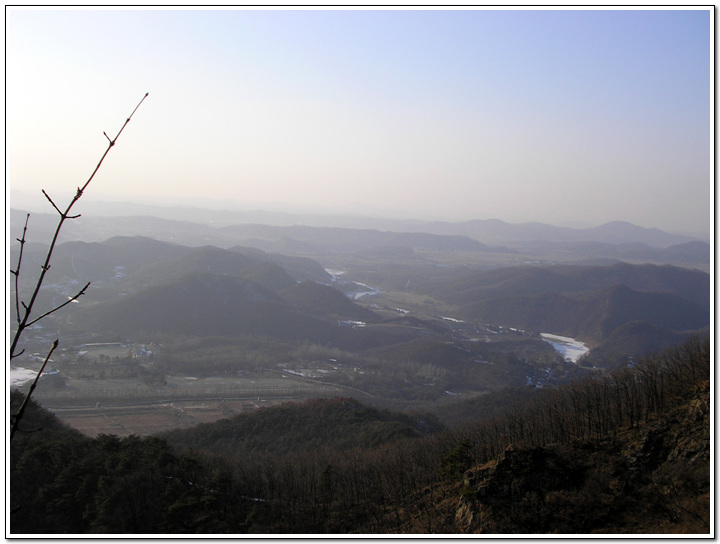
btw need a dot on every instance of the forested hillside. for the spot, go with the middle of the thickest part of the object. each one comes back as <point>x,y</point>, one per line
<point>324,425</point>
<point>627,452</point>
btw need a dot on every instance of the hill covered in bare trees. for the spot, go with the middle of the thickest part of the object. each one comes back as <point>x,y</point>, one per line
<point>623,453</point>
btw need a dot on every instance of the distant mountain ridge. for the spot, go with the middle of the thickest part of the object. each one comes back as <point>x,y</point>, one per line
<point>594,316</point>
<point>614,232</point>
<point>352,240</point>
<point>224,217</point>
<point>476,285</point>
<point>490,242</point>
<point>594,303</point>
<point>142,220</point>
<point>687,253</point>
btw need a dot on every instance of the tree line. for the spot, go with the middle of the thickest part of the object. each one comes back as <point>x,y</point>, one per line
<point>597,406</point>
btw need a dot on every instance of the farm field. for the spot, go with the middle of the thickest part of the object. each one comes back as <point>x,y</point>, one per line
<point>148,418</point>
<point>125,406</point>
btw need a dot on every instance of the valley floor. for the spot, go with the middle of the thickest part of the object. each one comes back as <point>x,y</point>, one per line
<point>125,406</point>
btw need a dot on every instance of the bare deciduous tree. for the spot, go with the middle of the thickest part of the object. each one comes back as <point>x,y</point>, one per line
<point>24,315</point>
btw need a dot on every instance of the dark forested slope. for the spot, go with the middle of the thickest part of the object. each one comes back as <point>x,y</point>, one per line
<point>586,302</point>
<point>626,452</point>
<point>144,287</point>
<point>477,285</point>
<point>591,316</point>
<point>336,424</point>
<point>202,304</point>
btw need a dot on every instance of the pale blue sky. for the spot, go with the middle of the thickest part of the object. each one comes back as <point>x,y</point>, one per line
<point>524,115</point>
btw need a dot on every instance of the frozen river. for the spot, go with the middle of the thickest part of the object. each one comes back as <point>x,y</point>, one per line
<point>568,347</point>
<point>361,289</point>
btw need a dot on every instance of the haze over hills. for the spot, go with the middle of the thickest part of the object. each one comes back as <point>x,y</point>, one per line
<point>198,305</point>
<point>513,281</point>
<point>612,231</point>
<point>395,315</point>
<point>144,287</point>
<point>594,316</point>
<point>484,230</point>
<point>310,235</point>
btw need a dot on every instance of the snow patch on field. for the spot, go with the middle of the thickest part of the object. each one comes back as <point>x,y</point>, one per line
<point>20,375</point>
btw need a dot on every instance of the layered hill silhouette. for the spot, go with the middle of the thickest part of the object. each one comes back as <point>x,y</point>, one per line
<point>142,286</point>
<point>308,235</point>
<point>597,304</point>
<point>593,252</point>
<point>467,285</point>
<point>353,240</point>
<point>201,304</point>
<point>150,261</point>
<point>492,230</point>
<point>593,316</point>
<point>205,304</point>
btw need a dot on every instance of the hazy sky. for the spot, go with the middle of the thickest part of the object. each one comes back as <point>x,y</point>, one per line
<point>523,115</point>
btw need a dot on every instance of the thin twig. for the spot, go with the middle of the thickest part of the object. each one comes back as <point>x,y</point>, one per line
<point>72,299</point>
<point>51,201</point>
<point>24,322</point>
<point>21,411</point>
<point>16,272</point>
<point>112,143</point>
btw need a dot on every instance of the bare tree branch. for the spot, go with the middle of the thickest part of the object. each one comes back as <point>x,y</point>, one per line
<point>51,201</point>
<point>21,411</point>
<point>25,321</point>
<point>16,272</point>
<point>71,299</point>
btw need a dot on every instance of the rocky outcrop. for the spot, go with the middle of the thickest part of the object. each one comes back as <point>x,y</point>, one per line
<point>654,479</point>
